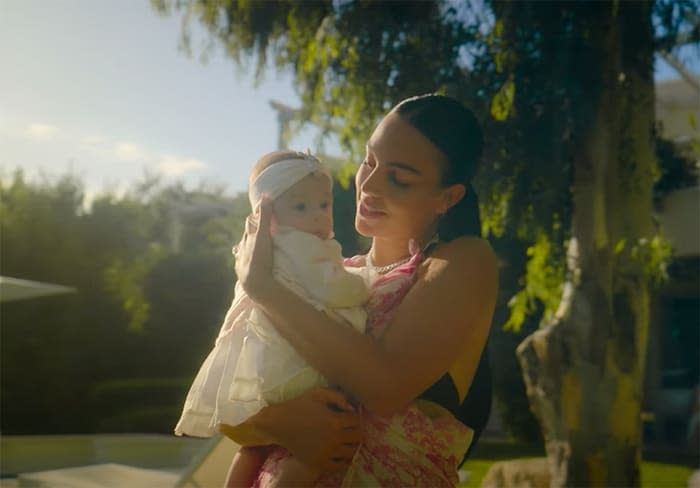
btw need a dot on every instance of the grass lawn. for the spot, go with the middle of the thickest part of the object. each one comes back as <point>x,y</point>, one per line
<point>476,468</point>
<point>664,475</point>
<point>654,474</point>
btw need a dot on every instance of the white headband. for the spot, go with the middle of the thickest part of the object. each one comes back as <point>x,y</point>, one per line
<point>282,175</point>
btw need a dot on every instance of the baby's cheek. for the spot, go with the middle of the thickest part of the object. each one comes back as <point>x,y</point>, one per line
<point>307,225</point>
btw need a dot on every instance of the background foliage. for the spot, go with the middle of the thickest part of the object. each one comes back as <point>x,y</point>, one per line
<point>154,277</point>
<point>153,267</point>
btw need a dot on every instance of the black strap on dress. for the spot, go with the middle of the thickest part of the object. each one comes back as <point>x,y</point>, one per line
<point>475,409</point>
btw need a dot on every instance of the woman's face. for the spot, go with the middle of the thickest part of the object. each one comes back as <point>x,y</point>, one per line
<point>399,190</point>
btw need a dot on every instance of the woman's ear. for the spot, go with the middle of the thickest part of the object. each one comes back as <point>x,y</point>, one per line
<point>450,196</point>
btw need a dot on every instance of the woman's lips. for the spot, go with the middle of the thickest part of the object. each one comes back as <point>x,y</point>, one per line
<point>368,212</point>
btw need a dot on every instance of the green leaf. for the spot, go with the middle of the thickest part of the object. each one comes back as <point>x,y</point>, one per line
<point>619,246</point>
<point>344,174</point>
<point>502,102</point>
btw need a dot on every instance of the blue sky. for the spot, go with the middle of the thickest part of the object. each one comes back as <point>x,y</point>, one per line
<point>101,89</point>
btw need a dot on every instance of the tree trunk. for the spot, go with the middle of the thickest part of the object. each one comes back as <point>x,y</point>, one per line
<point>584,371</point>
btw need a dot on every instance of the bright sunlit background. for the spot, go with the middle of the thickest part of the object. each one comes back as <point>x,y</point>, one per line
<point>102,89</point>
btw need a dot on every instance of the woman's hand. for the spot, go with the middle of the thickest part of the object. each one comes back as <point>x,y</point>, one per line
<point>319,427</point>
<point>322,429</point>
<point>254,253</point>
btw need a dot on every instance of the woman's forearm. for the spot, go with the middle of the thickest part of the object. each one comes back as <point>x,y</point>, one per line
<point>330,347</point>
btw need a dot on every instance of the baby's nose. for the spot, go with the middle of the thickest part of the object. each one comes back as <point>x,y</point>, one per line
<point>321,213</point>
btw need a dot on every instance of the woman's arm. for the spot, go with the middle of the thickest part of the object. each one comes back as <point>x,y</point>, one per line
<point>445,316</point>
<point>320,427</point>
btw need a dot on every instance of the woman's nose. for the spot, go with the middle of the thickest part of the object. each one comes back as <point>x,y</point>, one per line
<point>371,185</point>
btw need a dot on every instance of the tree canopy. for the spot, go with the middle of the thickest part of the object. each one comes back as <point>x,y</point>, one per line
<point>523,67</point>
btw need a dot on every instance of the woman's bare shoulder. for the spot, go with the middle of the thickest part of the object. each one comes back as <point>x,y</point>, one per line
<point>466,254</point>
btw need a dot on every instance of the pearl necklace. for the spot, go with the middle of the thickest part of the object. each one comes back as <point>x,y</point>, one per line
<point>388,267</point>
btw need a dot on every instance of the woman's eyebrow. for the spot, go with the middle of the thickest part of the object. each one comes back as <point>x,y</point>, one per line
<point>396,164</point>
<point>404,166</point>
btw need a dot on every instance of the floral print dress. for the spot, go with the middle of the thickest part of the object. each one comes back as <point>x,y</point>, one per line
<point>414,447</point>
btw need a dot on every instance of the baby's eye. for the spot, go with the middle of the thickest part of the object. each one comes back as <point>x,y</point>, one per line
<point>300,207</point>
<point>324,205</point>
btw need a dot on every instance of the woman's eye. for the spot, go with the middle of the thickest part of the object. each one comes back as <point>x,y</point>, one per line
<point>300,207</point>
<point>397,182</point>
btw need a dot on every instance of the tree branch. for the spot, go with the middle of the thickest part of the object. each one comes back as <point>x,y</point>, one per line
<point>682,70</point>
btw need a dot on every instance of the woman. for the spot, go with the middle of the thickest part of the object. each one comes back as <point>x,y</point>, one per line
<point>434,291</point>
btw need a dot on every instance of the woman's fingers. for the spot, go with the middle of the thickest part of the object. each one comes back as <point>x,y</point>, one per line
<point>345,452</point>
<point>350,438</point>
<point>346,425</point>
<point>334,399</point>
<point>342,458</point>
<point>260,218</point>
<point>324,427</point>
<point>260,229</point>
<point>251,225</point>
<point>347,421</point>
<point>265,213</point>
<point>254,252</point>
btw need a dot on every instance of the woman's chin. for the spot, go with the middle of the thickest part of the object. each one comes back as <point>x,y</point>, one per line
<point>365,228</point>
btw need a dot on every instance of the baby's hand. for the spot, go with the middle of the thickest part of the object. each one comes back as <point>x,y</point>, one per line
<point>254,253</point>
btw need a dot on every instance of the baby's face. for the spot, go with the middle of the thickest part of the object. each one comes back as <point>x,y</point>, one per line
<point>307,206</point>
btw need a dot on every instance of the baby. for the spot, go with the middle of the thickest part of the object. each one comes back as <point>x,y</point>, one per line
<point>251,365</point>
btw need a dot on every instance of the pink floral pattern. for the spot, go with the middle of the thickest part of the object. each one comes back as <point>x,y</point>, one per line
<point>408,448</point>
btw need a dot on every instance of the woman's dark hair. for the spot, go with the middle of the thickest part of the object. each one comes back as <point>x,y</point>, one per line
<point>456,132</point>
